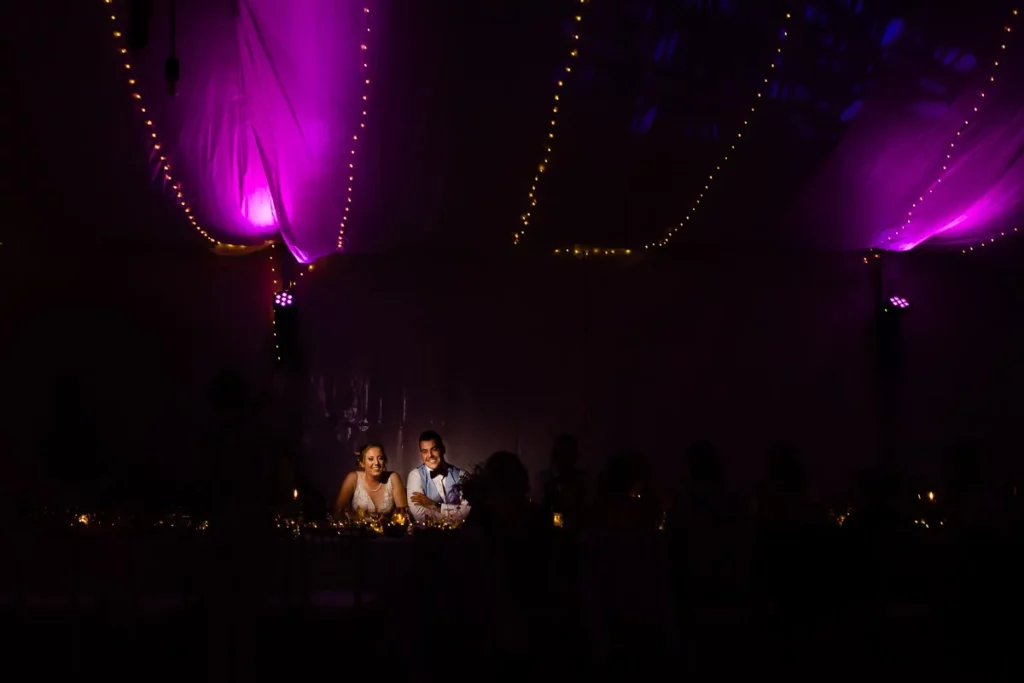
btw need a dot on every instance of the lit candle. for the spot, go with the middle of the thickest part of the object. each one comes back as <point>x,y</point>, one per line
<point>556,519</point>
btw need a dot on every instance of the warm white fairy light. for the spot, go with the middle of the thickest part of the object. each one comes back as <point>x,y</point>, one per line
<point>1004,38</point>
<point>273,316</point>
<point>584,251</point>
<point>549,138</point>
<point>154,140</point>
<point>947,161</point>
<point>727,157</point>
<point>364,51</point>
<point>580,251</point>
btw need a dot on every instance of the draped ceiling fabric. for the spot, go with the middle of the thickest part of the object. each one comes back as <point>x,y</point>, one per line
<point>895,147</point>
<point>260,132</point>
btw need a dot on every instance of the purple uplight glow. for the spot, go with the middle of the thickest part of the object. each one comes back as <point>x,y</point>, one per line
<point>258,208</point>
<point>899,302</point>
<point>938,222</point>
<point>272,97</point>
<point>283,299</point>
<point>930,161</point>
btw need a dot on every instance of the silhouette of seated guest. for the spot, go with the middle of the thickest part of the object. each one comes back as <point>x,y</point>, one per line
<point>512,580</point>
<point>784,500</point>
<point>563,487</point>
<point>621,614</point>
<point>981,568</point>
<point>875,537</point>
<point>701,522</point>
<point>787,520</point>
<point>965,496</point>
<point>626,499</point>
<point>880,503</point>
<point>704,501</point>
<point>501,486</point>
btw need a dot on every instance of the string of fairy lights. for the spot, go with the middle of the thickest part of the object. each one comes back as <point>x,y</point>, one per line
<point>296,520</point>
<point>581,251</point>
<point>155,145</point>
<point>364,49</point>
<point>398,523</point>
<point>549,140</point>
<point>278,292</point>
<point>730,153</point>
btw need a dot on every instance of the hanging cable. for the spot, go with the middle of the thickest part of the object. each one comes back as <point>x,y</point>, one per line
<point>172,67</point>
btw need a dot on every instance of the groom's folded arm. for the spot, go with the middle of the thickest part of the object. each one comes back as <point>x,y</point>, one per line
<point>414,485</point>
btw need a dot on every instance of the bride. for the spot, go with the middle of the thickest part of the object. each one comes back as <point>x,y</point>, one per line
<point>371,487</point>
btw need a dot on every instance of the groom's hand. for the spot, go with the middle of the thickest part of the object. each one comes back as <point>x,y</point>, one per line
<point>421,500</point>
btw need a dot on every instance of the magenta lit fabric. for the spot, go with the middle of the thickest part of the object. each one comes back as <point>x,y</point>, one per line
<point>261,131</point>
<point>891,156</point>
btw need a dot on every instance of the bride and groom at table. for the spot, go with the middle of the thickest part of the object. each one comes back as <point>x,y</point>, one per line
<point>431,491</point>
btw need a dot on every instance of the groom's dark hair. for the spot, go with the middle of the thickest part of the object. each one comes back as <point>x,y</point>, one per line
<point>431,435</point>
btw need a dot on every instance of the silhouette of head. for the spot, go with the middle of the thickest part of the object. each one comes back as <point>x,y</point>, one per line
<point>878,487</point>
<point>963,467</point>
<point>68,394</point>
<point>372,460</point>
<point>502,478</point>
<point>622,475</point>
<point>565,453</point>
<point>785,468</point>
<point>228,393</point>
<point>432,449</point>
<point>703,463</point>
<point>507,476</point>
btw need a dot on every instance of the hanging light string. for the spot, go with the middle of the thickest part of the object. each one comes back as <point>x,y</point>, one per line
<point>582,251</point>
<point>729,154</point>
<point>273,311</point>
<point>1004,39</point>
<point>273,268</point>
<point>1004,36</point>
<point>364,60</point>
<point>549,138</point>
<point>155,145</point>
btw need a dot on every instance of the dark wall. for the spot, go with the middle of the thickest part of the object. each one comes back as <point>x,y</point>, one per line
<point>741,348</point>
<point>140,333</point>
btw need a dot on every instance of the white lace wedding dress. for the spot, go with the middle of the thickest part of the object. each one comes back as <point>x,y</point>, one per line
<point>361,499</point>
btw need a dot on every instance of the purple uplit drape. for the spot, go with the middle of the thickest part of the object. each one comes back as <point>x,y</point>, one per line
<point>268,102</point>
<point>894,151</point>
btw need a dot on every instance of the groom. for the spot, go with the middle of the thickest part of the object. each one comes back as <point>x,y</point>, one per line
<point>433,486</point>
